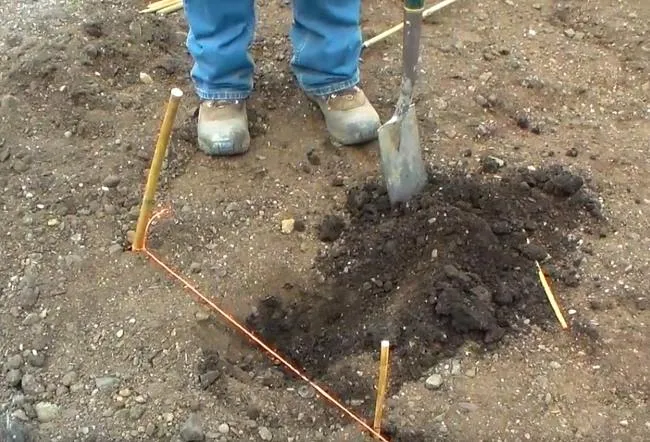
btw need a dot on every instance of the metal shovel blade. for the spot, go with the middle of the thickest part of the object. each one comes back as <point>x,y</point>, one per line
<point>401,159</point>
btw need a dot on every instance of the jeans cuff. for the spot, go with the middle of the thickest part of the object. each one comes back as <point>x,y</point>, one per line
<point>332,88</point>
<point>226,95</point>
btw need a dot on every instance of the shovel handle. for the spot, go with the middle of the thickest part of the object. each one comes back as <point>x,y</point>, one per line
<point>413,4</point>
<point>413,10</point>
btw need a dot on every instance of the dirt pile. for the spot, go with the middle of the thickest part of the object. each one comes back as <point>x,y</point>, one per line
<point>458,263</point>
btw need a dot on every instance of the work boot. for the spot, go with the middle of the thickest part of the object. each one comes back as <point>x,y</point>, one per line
<point>349,116</point>
<point>223,128</point>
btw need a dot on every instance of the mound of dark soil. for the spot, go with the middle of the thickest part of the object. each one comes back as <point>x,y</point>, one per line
<point>457,263</point>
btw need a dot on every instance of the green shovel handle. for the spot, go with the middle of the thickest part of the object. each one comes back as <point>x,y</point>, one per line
<point>413,4</point>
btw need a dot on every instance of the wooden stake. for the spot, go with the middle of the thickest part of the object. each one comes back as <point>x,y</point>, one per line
<point>382,385</point>
<point>148,199</point>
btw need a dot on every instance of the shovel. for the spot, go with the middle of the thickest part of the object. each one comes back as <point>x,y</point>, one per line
<point>399,138</point>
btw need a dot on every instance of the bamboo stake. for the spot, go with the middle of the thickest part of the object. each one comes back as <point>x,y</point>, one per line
<point>148,199</point>
<point>551,297</point>
<point>158,5</point>
<point>382,385</point>
<point>171,8</point>
<point>396,28</point>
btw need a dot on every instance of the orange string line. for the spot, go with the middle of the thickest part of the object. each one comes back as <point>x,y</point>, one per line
<point>249,334</point>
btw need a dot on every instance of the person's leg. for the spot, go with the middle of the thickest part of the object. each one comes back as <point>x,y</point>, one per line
<point>220,34</point>
<point>326,37</point>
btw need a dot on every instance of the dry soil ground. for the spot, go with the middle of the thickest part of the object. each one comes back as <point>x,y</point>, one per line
<point>97,344</point>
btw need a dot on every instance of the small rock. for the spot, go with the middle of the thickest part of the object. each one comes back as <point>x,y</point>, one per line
<point>467,407</point>
<point>146,78</point>
<point>119,333</point>
<point>136,412</point>
<point>570,33</point>
<point>195,267</point>
<point>491,164</point>
<point>61,390</point>
<point>111,181</point>
<point>288,225</point>
<point>306,392</point>
<point>20,415</point>
<point>36,359</point>
<point>8,102</point>
<point>555,365</point>
<point>30,385</point>
<point>470,372</point>
<point>30,319</point>
<point>14,362</point>
<point>125,392</point>
<point>114,249</point>
<point>69,378</point>
<point>106,383</point>
<point>434,382</point>
<point>223,428</point>
<point>191,429</point>
<point>46,411</point>
<point>28,297</point>
<point>14,377</point>
<point>208,378</point>
<point>572,152</point>
<point>265,433</point>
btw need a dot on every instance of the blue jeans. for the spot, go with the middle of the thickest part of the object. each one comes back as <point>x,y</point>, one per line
<point>326,39</point>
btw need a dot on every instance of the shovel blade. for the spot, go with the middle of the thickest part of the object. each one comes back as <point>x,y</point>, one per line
<point>401,158</point>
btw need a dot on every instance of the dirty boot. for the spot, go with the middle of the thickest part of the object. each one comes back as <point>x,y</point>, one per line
<point>349,116</point>
<point>223,128</point>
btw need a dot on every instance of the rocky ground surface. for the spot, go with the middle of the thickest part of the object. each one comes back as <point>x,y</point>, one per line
<point>534,118</point>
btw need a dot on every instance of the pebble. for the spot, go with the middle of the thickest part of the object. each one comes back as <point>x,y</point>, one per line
<point>31,319</point>
<point>46,411</point>
<point>14,377</point>
<point>36,359</point>
<point>570,33</point>
<point>455,367</point>
<point>20,415</point>
<point>492,164</point>
<point>467,407</point>
<point>8,102</point>
<point>191,429</point>
<point>288,225</point>
<point>555,365</point>
<point>136,412</point>
<point>434,381</point>
<point>14,362</point>
<point>224,428</point>
<point>265,433</point>
<point>30,385</point>
<point>106,383</point>
<point>114,249</point>
<point>146,78</point>
<point>111,181</point>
